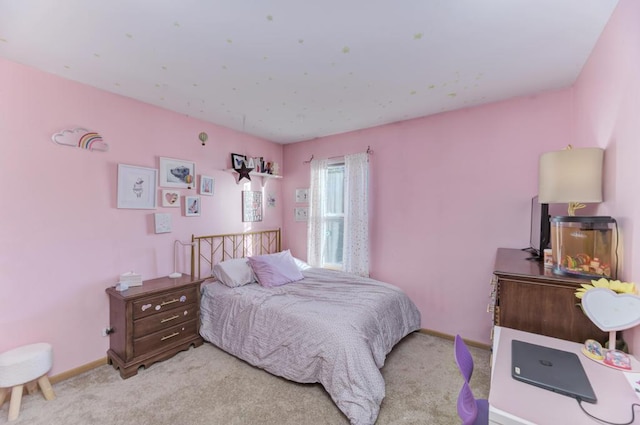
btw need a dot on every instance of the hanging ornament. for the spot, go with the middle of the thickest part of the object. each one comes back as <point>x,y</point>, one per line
<point>203,137</point>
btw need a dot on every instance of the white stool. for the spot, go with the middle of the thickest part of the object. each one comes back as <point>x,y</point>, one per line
<point>20,366</point>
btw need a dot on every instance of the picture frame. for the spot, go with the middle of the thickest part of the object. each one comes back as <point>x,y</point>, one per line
<point>192,206</point>
<point>137,187</point>
<point>301,213</point>
<point>177,173</point>
<point>251,205</point>
<point>302,195</point>
<point>206,185</point>
<point>162,222</point>
<point>237,160</point>
<point>170,198</point>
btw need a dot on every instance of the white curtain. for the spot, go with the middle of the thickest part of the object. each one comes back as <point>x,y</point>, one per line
<point>315,228</point>
<point>356,214</point>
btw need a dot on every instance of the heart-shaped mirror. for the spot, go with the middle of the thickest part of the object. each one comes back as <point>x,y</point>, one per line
<point>610,311</point>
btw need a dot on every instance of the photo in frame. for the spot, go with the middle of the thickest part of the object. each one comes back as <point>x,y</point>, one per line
<point>192,206</point>
<point>302,195</point>
<point>170,198</point>
<point>237,160</point>
<point>251,205</point>
<point>137,187</point>
<point>206,185</point>
<point>301,213</point>
<point>177,173</point>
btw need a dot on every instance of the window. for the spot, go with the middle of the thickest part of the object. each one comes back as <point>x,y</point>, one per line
<point>338,235</point>
<point>333,217</point>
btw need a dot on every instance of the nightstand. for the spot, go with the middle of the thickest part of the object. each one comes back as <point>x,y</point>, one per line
<point>153,322</point>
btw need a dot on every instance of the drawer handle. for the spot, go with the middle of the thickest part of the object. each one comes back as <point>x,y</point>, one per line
<point>175,300</point>
<point>168,319</point>
<point>170,336</point>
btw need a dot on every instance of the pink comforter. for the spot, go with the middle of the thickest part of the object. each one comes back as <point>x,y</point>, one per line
<point>331,327</point>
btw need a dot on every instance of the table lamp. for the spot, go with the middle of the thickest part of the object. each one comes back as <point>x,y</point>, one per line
<point>572,176</point>
<point>175,273</point>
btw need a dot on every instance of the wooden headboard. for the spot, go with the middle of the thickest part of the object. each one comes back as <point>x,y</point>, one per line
<point>206,251</point>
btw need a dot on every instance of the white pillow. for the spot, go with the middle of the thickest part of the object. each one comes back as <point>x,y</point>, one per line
<point>301,264</point>
<point>234,273</point>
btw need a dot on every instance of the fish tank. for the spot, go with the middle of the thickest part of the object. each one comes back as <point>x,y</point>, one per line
<point>584,247</point>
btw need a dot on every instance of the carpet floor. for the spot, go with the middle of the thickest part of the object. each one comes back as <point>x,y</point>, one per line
<point>205,385</point>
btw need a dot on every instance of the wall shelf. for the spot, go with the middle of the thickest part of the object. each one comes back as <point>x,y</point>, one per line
<point>263,176</point>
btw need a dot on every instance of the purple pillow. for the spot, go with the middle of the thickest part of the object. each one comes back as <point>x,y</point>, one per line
<point>275,269</point>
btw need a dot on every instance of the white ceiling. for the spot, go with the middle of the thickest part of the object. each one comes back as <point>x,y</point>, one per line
<point>292,70</point>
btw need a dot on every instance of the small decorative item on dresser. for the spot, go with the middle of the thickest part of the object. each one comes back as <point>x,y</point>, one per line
<point>548,258</point>
<point>131,279</point>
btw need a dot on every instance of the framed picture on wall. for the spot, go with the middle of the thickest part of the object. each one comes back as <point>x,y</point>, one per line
<point>192,206</point>
<point>206,185</point>
<point>301,213</point>
<point>251,205</point>
<point>177,173</point>
<point>302,195</point>
<point>170,198</point>
<point>237,160</point>
<point>137,187</point>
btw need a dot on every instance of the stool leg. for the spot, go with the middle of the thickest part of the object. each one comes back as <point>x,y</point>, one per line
<point>16,399</point>
<point>45,386</point>
<point>3,395</point>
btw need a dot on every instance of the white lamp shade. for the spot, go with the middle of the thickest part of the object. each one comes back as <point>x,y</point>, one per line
<point>571,175</point>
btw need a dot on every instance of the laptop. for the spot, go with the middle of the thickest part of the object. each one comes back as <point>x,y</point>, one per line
<point>551,369</point>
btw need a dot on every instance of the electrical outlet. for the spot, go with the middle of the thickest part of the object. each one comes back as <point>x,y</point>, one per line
<point>106,331</point>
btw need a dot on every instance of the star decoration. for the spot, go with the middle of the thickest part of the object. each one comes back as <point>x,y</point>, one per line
<point>243,172</point>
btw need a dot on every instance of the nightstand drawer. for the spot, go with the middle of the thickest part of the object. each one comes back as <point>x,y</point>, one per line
<point>150,324</point>
<point>169,300</point>
<point>167,337</point>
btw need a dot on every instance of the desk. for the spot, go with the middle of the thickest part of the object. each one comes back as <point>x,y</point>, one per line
<point>514,402</point>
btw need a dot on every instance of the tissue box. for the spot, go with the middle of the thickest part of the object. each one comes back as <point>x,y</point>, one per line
<point>131,279</point>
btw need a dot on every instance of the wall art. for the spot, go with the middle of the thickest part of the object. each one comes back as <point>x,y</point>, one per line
<point>302,195</point>
<point>206,185</point>
<point>271,200</point>
<point>81,138</point>
<point>192,206</point>
<point>251,205</point>
<point>170,198</point>
<point>301,213</point>
<point>137,187</point>
<point>237,160</point>
<point>162,222</point>
<point>177,173</point>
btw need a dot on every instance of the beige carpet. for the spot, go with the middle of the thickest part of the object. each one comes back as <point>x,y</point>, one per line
<point>207,386</point>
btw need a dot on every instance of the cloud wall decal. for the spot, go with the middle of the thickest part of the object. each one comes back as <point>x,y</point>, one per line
<point>81,138</point>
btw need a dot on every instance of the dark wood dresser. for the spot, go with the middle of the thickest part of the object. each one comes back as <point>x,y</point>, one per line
<point>153,322</point>
<point>528,297</point>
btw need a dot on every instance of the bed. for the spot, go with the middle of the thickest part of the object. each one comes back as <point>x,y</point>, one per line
<point>329,327</point>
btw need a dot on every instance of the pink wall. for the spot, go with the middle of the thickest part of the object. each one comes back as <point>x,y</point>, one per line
<point>447,190</point>
<point>63,239</point>
<point>607,99</point>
